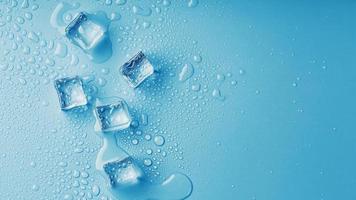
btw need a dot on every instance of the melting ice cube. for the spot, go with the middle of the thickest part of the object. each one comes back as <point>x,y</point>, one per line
<point>123,173</point>
<point>84,32</point>
<point>90,33</point>
<point>137,69</point>
<point>111,114</point>
<point>70,92</point>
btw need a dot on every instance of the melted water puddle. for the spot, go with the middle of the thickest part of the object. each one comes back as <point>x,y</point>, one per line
<point>88,31</point>
<point>132,185</point>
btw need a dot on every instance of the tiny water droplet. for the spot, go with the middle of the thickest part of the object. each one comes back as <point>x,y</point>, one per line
<point>220,77</point>
<point>148,137</point>
<point>141,11</point>
<point>147,162</point>
<point>134,141</point>
<point>197,58</point>
<point>196,87</point>
<point>193,3</point>
<point>242,72</point>
<point>35,187</point>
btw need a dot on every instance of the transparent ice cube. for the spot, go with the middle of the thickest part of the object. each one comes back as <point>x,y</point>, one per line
<point>123,173</point>
<point>70,92</point>
<point>137,69</point>
<point>111,114</point>
<point>84,32</point>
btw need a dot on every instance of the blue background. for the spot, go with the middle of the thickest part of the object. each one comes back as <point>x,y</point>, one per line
<point>284,131</point>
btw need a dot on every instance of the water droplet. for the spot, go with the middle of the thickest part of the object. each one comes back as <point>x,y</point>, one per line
<point>62,164</point>
<point>102,82</point>
<point>193,3</point>
<point>141,11</point>
<point>196,87</point>
<point>186,72</point>
<point>33,37</point>
<point>197,58</point>
<point>149,151</point>
<point>33,164</point>
<point>146,24</point>
<point>68,197</point>
<point>35,187</point>
<point>242,72</point>
<point>115,16</point>
<point>76,174</point>
<point>147,162</point>
<point>166,3</point>
<point>144,119</point>
<point>148,137</point>
<point>220,77</point>
<point>22,81</point>
<point>120,2</point>
<point>84,174</point>
<point>159,140</point>
<point>95,190</point>
<point>134,141</point>
<point>108,2</point>
<point>74,60</point>
<point>217,94</point>
<point>25,4</point>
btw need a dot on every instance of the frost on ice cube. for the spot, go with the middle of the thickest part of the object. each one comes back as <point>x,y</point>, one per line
<point>123,173</point>
<point>111,114</point>
<point>70,92</point>
<point>137,69</point>
<point>84,32</point>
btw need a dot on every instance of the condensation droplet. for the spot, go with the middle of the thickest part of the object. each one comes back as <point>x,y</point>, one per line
<point>159,140</point>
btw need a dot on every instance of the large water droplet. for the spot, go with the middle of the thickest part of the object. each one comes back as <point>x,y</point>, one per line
<point>186,72</point>
<point>141,11</point>
<point>159,140</point>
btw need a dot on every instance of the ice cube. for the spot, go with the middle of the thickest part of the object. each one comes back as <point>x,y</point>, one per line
<point>84,32</point>
<point>137,69</point>
<point>123,173</point>
<point>70,92</point>
<point>111,114</point>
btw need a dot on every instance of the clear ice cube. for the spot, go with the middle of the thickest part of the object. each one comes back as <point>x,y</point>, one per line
<point>70,92</point>
<point>111,114</point>
<point>137,69</point>
<point>84,32</point>
<point>123,173</point>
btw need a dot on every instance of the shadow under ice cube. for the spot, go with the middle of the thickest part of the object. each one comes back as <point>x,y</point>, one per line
<point>123,173</point>
<point>111,114</point>
<point>70,92</point>
<point>84,32</point>
<point>137,69</point>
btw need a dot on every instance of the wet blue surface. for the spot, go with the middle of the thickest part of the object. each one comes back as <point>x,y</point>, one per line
<point>267,113</point>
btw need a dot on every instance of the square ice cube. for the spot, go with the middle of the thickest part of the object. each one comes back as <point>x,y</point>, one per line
<point>137,69</point>
<point>84,32</point>
<point>111,114</point>
<point>70,92</point>
<point>123,173</point>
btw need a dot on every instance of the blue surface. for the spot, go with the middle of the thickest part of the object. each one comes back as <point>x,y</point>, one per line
<point>273,118</point>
